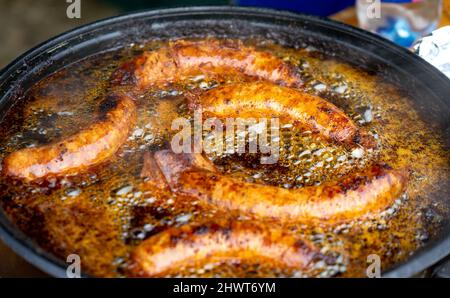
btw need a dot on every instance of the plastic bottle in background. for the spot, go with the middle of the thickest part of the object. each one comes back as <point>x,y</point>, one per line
<point>402,21</point>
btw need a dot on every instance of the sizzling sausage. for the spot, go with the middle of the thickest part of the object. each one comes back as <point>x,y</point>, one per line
<point>264,99</point>
<point>90,146</point>
<point>357,196</point>
<point>190,245</point>
<point>184,59</point>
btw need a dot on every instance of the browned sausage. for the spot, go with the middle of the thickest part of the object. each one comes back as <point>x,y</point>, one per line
<point>264,99</point>
<point>90,146</point>
<point>183,59</point>
<point>190,245</point>
<point>356,196</point>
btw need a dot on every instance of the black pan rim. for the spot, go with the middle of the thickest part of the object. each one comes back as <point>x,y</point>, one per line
<point>23,246</point>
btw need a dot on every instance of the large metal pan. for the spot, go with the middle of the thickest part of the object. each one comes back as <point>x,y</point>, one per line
<point>427,87</point>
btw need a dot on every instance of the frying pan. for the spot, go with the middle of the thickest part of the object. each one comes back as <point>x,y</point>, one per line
<point>427,87</point>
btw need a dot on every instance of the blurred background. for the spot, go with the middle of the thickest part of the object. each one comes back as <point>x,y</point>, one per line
<point>26,23</point>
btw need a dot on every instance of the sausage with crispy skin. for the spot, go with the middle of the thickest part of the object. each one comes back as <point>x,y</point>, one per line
<point>191,245</point>
<point>264,99</point>
<point>90,146</point>
<point>359,195</point>
<point>183,59</point>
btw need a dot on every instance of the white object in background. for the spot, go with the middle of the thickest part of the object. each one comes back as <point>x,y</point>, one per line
<point>435,49</point>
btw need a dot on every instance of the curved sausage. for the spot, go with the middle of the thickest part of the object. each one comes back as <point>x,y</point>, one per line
<point>90,146</point>
<point>189,245</point>
<point>183,59</point>
<point>356,196</point>
<point>264,99</point>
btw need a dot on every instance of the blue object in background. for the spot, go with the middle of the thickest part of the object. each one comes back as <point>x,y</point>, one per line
<point>316,7</point>
<point>399,31</point>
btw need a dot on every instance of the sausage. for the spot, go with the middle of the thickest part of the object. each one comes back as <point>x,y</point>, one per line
<point>264,99</point>
<point>355,196</point>
<point>190,245</point>
<point>182,59</point>
<point>90,146</point>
